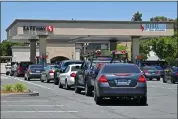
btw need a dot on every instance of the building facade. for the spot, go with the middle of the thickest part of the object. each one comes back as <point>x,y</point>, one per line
<point>71,38</point>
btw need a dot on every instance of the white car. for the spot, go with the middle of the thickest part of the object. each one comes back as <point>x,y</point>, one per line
<point>67,78</point>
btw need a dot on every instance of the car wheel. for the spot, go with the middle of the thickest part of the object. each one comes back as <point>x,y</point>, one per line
<point>172,81</point>
<point>59,83</point>
<point>47,80</point>
<point>7,73</point>
<point>77,89</point>
<point>164,80</point>
<point>143,100</point>
<point>55,81</point>
<point>88,90</point>
<point>158,79</point>
<point>67,87</point>
<point>25,78</point>
<point>28,78</point>
<point>98,100</point>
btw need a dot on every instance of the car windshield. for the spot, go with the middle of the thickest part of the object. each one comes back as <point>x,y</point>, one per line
<point>75,68</point>
<point>120,69</point>
<point>36,67</point>
<point>25,64</point>
<point>54,67</point>
<point>149,68</point>
<point>158,68</point>
<point>69,63</point>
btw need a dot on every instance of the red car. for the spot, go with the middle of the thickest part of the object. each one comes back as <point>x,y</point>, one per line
<point>21,68</point>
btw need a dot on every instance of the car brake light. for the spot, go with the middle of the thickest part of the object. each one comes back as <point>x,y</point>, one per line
<point>141,79</point>
<point>158,72</point>
<point>73,75</point>
<point>103,79</point>
<point>177,73</point>
<point>145,71</point>
<point>51,71</point>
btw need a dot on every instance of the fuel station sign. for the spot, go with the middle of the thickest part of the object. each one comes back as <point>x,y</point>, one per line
<point>153,27</point>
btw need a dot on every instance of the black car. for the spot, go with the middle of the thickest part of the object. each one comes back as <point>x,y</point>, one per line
<point>84,79</point>
<point>63,65</point>
<point>161,70</point>
<point>151,73</point>
<point>171,74</point>
<point>33,71</point>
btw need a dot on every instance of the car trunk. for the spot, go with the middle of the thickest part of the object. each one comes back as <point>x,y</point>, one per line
<point>36,70</point>
<point>123,79</point>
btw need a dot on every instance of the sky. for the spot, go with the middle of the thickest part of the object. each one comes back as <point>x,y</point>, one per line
<point>119,11</point>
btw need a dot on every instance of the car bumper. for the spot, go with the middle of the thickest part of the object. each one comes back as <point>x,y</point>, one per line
<point>51,76</point>
<point>152,76</point>
<point>35,75</point>
<point>70,81</point>
<point>121,91</point>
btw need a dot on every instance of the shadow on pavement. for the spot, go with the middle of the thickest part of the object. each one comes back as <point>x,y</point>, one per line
<point>120,103</point>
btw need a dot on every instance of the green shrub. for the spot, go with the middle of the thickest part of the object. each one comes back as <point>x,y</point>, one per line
<point>20,87</point>
<point>8,88</point>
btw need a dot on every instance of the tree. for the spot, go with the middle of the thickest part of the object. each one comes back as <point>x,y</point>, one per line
<point>137,17</point>
<point>5,47</point>
<point>145,48</point>
<point>121,47</point>
<point>160,18</point>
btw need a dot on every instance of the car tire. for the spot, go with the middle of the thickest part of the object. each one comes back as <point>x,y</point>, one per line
<point>59,84</point>
<point>172,81</point>
<point>67,87</point>
<point>25,78</point>
<point>158,79</point>
<point>143,100</point>
<point>98,100</point>
<point>47,80</point>
<point>55,81</point>
<point>28,78</point>
<point>88,90</point>
<point>41,79</point>
<point>7,73</point>
<point>77,89</point>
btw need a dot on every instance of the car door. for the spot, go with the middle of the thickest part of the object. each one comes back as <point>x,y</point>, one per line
<point>63,75</point>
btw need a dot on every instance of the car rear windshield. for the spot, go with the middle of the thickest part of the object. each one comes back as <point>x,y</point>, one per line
<point>175,69</point>
<point>75,68</point>
<point>25,64</point>
<point>69,63</point>
<point>54,67</point>
<point>158,68</point>
<point>120,69</point>
<point>149,68</point>
<point>36,67</point>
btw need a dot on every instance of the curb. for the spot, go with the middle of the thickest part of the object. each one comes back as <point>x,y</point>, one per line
<point>33,93</point>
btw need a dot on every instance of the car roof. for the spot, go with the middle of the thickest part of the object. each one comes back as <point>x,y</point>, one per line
<point>120,64</point>
<point>72,61</point>
<point>75,65</point>
<point>35,65</point>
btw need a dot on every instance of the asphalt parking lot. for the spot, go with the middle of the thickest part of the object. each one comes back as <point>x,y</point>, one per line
<point>60,103</point>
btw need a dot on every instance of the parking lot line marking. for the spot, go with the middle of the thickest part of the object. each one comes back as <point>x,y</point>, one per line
<point>25,101</point>
<point>39,111</point>
<point>34,105</point>
<point>33,84</point>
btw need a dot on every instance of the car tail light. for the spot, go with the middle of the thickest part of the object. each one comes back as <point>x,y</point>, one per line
<point>177,73</point>
<point>158,72</point>
<point>51,71</point>
<point>145,71</point>
<point>73,75</point>
<point>103,79</point>
<point>142,79</point>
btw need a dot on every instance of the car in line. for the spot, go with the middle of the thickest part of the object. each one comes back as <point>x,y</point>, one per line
<point>63,65</point>
<point>151,73</point>
<point>84,79</point>
<point>67,78</point>
<point>161,70</point>
<point>33,71</point>
<point>21,68</point>
<point>171,74</point>
<point>120,80</point>
<point>9,67</point>
<point>48,73</point>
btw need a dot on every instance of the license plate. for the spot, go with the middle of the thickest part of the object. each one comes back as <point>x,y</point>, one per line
<point>37,71</point>
<point>122,82</point>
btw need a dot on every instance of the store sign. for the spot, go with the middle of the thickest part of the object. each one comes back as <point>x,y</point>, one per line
<point>38,28</point>
<point>153,27</point>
